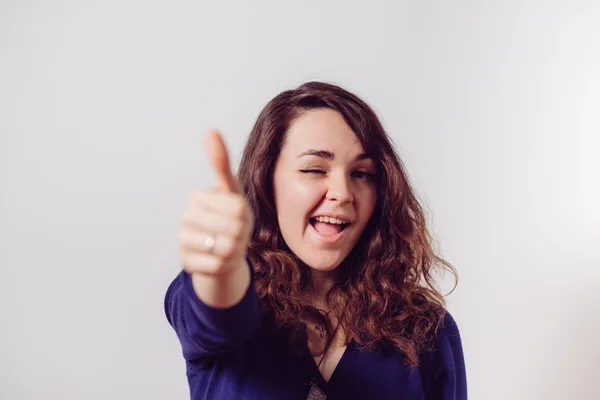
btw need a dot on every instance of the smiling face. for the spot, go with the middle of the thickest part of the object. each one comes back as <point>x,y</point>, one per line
<point>323,171</point>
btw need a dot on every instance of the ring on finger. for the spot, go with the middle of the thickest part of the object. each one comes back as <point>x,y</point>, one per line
<point>209,243</point>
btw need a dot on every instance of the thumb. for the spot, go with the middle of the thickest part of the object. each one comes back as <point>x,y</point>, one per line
<point>219,159</point>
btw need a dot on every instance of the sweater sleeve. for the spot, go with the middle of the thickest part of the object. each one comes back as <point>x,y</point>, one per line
<point>208,331</point>
<point>444,369</point>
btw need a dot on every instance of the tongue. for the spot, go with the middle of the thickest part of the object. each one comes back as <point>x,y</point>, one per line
<point>327,229</point>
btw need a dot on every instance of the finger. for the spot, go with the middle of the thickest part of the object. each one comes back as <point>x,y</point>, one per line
<point>219,159</point>
<point>204,263</point>
<point>196,242</point>
<point>209,221</point>
<point>222,203</point>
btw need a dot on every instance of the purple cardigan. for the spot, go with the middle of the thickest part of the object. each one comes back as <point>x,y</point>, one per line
<point>227,357</point>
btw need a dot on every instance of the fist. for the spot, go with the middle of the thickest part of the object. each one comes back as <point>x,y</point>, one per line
<point>217,224</point>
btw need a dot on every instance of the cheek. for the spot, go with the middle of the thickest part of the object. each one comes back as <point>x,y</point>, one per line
<point>294,200</point>
<point>367,204</point>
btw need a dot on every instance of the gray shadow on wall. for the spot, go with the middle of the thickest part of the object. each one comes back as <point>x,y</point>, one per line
<point>568,356</point>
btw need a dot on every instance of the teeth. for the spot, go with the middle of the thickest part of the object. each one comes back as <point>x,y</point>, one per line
<point>330,220</point>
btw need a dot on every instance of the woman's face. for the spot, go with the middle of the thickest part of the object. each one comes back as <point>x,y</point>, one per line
<point>322,171</point>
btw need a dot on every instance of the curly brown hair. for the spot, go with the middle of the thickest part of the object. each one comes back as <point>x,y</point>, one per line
<point>386,283</point>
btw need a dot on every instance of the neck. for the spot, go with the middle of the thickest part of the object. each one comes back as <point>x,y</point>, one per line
<point>322,281</point>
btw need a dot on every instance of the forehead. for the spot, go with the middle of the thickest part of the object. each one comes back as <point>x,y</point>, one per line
<point>321,129</point>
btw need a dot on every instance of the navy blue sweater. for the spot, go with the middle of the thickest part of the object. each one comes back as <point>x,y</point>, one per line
<point>227,357</point>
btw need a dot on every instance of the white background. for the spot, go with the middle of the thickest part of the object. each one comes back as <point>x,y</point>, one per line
<point>494,107</point>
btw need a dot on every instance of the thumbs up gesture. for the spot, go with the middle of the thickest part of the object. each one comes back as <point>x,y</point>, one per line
<point>217,224</point>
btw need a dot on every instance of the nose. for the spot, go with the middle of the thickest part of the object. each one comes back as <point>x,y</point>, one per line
<point>339,190</point>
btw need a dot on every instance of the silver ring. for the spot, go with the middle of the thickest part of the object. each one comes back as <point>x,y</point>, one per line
<point>209,243</point>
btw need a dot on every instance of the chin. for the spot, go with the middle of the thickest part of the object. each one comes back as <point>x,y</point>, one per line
<point>321,262</point>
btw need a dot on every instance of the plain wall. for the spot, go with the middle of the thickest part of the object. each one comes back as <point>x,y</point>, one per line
<point>494,107</point>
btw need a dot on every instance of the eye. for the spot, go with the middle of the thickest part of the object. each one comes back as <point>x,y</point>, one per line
<point>363,175</point>
<point>312,171</point>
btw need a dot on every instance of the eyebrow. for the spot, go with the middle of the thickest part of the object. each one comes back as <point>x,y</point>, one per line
<point>329,155</point>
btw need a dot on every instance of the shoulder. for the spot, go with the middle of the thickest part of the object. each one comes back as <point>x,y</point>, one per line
<point>448,326</point>
<point>442,364</point>
<point>446,336</point>
<point>448,344</point>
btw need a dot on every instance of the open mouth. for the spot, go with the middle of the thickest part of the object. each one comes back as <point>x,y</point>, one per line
<point>328,228</point>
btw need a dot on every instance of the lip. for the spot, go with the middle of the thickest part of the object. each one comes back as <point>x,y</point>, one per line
<point>333,239</point>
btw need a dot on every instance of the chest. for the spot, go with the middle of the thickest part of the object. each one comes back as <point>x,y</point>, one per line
<point>268,370</point>
<point>331,360</point>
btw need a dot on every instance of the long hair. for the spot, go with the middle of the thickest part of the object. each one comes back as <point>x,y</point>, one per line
<point>386,282</point>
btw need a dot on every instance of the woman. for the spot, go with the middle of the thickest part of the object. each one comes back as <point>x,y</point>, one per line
<point>310,274</point>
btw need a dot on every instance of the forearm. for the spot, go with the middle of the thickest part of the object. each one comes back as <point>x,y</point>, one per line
<point>206,330</point>
<point>212,304</point>
<point>222,291</point>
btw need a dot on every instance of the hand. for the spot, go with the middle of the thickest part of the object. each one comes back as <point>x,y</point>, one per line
<point>216,226</point>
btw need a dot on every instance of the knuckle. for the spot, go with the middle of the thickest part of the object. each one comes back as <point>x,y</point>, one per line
<point>188,217</point>
<point>186,239</point>
<point>228,253</point>
<point>237,229</point>
<point>230,249</point>
<point>239,208</point>
<point>182,237</point>
<point>184,259</point>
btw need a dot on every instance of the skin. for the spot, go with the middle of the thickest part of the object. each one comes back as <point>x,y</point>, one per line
<point>309,185</point>
<point>220,276</point>
<point>336,180</point>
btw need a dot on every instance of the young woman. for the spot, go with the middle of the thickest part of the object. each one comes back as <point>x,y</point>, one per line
<point>309,275</point>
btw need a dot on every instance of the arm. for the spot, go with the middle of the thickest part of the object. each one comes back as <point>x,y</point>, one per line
<point>212,304</point>
<point>222,291</point>
<point>204,330</point>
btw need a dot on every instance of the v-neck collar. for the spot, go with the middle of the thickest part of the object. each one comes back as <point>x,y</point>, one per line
<point>321,382</point>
